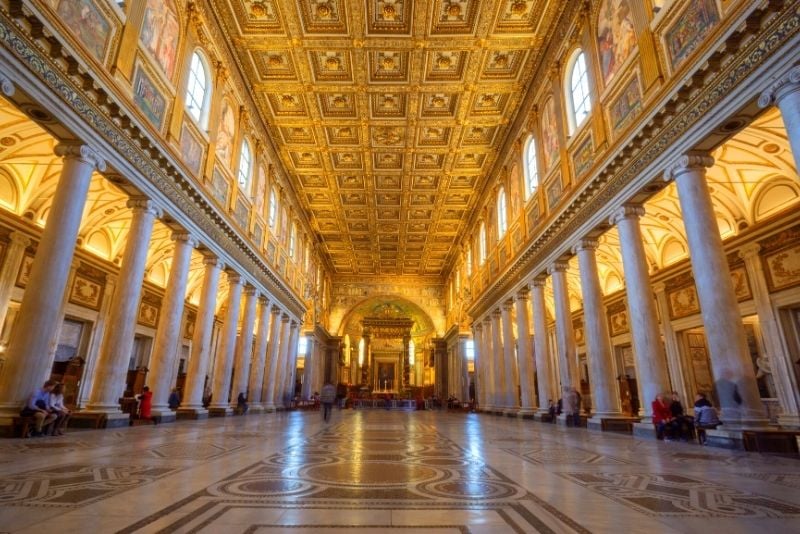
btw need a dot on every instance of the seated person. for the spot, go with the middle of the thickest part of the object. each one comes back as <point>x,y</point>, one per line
<point>241,404</point>
<point>38,407</point>
<point>174,400</point>
<point>662,418</point>
<point>684,426</point>
<point>705,417</point>
<point>62,412</point>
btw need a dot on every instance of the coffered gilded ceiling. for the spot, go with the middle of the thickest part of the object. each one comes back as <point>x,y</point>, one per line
<point>388,114</point>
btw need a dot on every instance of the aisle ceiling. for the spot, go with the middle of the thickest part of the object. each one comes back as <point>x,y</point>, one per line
<point>388,114</point>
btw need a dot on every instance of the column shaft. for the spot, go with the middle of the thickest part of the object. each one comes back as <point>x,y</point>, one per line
<point>651,365</point>
<point>8,274</point>
<point>785,93</point>
<point>283,355</point>
<point>489,363</point>
<point>255,389</point>
<point>565,332</point>
<point>192,402</point>
<point>477,377</point>
<point>224,361</point>
<point>509,360</point>
<point>168,334</point>
<point>26,357</point>
<point>734,375</point>
<point>498,400</point>
<point>671,346</point>
<point>115,351</point>
<point>541,350</point>
<point>278,324</point>
<point>525,361</point>
<point>244,346</point>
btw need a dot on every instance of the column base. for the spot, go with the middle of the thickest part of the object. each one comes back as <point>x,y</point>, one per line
<point>256,409</point>
<point>165,416</point>
<point>789,421</point>
<point>103,419</point>
<point>524,413</point>
<point>510,412</point>
<point>219,411</point>
<point>568,421</point>
<point>192,413</point>
<point>645,429</point>
<point>611,423</point>
<point>543,416</point>
<point>270,408</point>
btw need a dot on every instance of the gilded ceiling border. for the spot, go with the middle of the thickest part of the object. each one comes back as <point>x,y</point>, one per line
<point>111,121</point>
<point>762,35</point>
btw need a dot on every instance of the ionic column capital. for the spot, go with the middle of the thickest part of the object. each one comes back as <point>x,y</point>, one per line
<point>212,261</point>
<point>477,327</point>
<point>185,237</point>
<point>294,324</point>
<point>627,211</point>
<point>234,278</point>
<point>285,318</point>
<point>6,85</point>
<point>488,320</point>
<point>689,162</point>
<point>144,205</point>
<point>250,291</point>
<point>20,239</point>
<point>82,152</point>
<point>508,305</point>
<point>539,282</point>
<point>585,244</point>
<point>558,267</point>
<point>750,250</point>
<point>659,287</point>
<point>786,84</point>
<point>496,313</point>
<point>523,294</point>
<point>276,310</point>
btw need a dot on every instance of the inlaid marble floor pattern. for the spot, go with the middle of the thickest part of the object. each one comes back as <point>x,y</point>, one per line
<point>378,471</point>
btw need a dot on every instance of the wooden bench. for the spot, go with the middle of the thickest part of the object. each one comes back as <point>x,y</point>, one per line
<point>24,424</point>
<point>774,441</point>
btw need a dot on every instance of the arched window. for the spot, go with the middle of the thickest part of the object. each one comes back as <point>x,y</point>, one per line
<point>531,169</point>
<point>292,237</point>
<point>198,90</point>
<point>580,102</point>
<point>502,214</point>
<point>245,165</point>
<point>468,261</point>
<point>482,244</point>
<point>273,209</point>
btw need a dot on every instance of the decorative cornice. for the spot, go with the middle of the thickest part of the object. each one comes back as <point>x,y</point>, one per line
<point>82,152</point>
<point>689,162</point>
<point>785,85</point>
<point>6,86</point>
<point>627,212</point>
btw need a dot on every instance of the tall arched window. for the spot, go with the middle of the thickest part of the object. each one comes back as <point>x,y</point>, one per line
<point>198,90</point>
<point>245,165</point>
<point>273,209</point>
<point>292,237</point>
<point>482,244</point>
<point>502,213</point>
<point>530,167</point>
<point>580,102</point>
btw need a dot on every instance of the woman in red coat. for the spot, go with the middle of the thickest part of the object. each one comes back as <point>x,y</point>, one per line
<point>145,403</point>
<point>662,418</point>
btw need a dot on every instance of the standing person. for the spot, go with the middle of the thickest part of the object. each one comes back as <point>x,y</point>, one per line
<point>570,404</point>
<point>62,412</point>
<point>38,407</point>
<point>327,397</point>
<point>241,403</point>
<point>576,415</point>
<point>146,405</point>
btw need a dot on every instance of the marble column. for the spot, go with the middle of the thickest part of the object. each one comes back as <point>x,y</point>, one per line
<point>671,345</point>
<point>605,396</point>
<point>511,371</point>
<point>524,358</point>
<point>244,346</point>
<point>651,365</point>
<point>165,347</point>
<point>490,363</point>
<point>406,364</point>
<point>220,405</point>
<point>291,365</point>
<point>499,399</point>
<point>541,349</point>
<point>98,333</point>
<point>255,389</point>
<point>734,375</point>
<point>779,359</point>
<point>785,93</point>
<point>38,319</point>
<point>565,332</point>
<point>283,355</point>
<point>15,253</point>
<point>115,351</point>
<point>308,368</point>
<point>479,356</point>
<point>465,367</point>
<point>192,402</point>
<point>279,323</point>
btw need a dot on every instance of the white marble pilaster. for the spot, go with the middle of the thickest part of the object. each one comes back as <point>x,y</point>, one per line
<point>651,365</point>
<point>734,375</point>
<point>244,346</point>
<point>565,332</point>
<point>255,389</point>
<point>280,323</point>
<point>15,253</point>
<point>38,319</point>
<point>605,395</point>
<point>541,349</point>
<point>527,381</point>
<point>778,357</point>
<point>671,345</point>
<point>785,93</point>
<point>499,397</point>
<point>220,404</point>
<point>511,371</point>
<point>168,334</point>
<point>192,402</point>
<point>98,333</point>
<point>115,351</point>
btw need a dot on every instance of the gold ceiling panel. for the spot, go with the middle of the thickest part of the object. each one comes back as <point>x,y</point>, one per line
<point>388,115</point>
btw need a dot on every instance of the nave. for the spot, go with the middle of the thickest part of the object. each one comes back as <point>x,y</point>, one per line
<point>375,471</point>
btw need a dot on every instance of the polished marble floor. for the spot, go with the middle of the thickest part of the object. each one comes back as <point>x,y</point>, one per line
<point>375,471</point>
